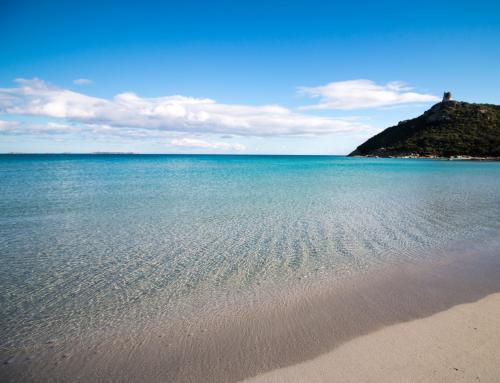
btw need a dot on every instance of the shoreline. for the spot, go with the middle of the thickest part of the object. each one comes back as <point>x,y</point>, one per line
<point>268,331</point>
<point>458,344</point>
<point>416,156</point>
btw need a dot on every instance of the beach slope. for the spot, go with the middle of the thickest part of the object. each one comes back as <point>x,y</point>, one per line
<point>461,344</point>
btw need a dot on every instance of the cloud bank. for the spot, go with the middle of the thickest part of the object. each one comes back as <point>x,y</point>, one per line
<point>193,143</point>
<point>358,94</point>
<point>15,127</point>
<point>175,113</point>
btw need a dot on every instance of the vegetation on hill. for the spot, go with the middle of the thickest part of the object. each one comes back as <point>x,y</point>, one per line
<point>448,129</point>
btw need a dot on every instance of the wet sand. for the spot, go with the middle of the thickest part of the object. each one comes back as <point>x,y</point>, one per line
<point>272,330</point>
<point>461,344</point>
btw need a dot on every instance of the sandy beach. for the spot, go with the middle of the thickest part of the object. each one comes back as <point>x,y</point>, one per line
<point>461,344</point>
<point>422,322</point>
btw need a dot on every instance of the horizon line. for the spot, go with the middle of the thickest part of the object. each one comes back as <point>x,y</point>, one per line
<point>170,154</point>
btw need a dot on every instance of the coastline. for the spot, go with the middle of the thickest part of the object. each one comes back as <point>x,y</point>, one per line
<point>451,158</point>
<point>266,332</point>
<point>461,344</point>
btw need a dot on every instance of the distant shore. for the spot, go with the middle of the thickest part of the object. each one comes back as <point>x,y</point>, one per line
<point>451,158</point>
<point>415,156</point>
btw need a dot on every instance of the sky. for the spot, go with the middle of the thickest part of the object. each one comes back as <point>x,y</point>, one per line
<point>253,77</point>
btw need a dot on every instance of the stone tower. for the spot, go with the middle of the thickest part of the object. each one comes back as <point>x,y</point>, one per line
<point>446,96</point>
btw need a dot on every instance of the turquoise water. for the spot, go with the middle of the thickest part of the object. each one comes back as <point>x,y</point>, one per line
<point>88,241</point>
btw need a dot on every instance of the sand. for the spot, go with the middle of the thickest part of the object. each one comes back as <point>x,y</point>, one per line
<point>411,322</point>
<point>461,344</point>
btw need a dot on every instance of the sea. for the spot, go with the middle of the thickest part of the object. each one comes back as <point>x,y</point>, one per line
<point>92,242</point>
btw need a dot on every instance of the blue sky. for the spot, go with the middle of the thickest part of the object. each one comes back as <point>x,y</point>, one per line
<point>301,77</point>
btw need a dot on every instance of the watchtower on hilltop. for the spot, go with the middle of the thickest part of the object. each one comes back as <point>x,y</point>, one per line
<point>446,96</point>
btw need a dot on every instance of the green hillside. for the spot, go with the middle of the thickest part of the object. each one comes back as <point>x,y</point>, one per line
<point>448,129</point>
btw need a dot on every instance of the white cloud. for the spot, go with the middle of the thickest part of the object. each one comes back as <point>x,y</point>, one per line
<point>168,114</point>
<point>82,81</point>
<point>357,94</point>
<point>194,143</point>
<point>8,126</point>
<point>16,127</point>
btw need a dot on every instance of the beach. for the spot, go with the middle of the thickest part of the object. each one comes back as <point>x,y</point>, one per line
<point>225,268</point>
<point>423,322</point>
<point>461,344</point>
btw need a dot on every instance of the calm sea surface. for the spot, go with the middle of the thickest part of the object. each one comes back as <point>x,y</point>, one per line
<point>88,241</point>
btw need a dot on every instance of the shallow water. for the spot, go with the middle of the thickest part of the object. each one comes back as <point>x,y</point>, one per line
<point>90,241</point>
